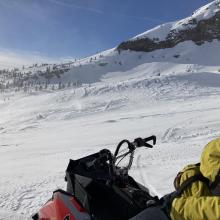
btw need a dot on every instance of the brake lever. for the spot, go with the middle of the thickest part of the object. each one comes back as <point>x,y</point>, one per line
<point>148,145</point>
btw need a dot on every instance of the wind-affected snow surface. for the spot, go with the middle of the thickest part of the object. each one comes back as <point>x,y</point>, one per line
<point>41,131</point>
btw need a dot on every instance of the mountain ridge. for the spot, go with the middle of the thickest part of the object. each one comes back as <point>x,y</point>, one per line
<point>120,61</point>
<point>203,26</point>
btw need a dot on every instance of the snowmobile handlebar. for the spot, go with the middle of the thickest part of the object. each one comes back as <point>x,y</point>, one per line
<point>138,142</point>
<point>105,156</point>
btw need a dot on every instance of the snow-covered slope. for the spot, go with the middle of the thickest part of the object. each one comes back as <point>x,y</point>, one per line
<point>40,132</point>
<point>193,40</point>
<point>201,27</point>
<point>116,94</point>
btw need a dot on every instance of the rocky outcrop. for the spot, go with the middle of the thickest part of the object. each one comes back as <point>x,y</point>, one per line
<point>198,32</point>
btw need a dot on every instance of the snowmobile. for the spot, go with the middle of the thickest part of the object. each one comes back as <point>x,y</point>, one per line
<point>99,188</point>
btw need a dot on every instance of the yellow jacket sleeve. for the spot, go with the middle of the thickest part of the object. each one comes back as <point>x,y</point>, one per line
<point>196,208</point>
<point>196,202</point>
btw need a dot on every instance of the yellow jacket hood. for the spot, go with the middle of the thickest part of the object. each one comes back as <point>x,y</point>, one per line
<point>210,160</point>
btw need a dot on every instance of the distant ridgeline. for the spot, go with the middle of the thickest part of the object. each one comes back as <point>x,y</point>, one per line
<point>202,26</point>
<point>199,32</point>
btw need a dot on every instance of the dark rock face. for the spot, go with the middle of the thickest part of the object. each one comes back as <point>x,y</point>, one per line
<point>203,31</point>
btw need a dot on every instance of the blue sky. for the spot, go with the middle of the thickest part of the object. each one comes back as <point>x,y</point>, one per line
<point>77,28</point>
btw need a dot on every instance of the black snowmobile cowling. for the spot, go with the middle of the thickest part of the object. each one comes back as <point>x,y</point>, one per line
<point>99,189</point>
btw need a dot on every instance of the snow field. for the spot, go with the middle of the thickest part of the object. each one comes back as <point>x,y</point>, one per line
<point>35,149</point>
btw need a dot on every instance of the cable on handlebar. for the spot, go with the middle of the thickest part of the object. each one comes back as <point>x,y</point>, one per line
<point>106,159</point>
<point>130,146</point>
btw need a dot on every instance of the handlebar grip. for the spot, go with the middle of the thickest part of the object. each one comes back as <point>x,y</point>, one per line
<point>143,142</point>
<point>151,138</point>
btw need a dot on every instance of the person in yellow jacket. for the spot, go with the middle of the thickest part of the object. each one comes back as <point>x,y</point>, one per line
<point>197,201</point>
